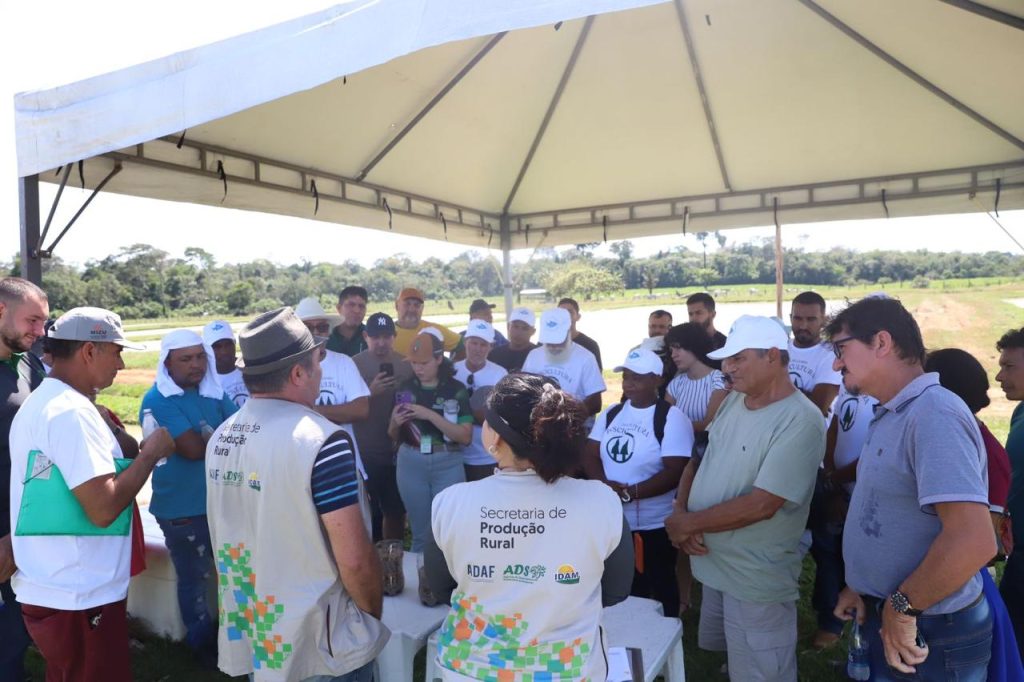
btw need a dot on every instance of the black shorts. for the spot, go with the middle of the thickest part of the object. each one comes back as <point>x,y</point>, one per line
<point>383,488</point>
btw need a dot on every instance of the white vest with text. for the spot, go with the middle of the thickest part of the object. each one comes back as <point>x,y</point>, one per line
<point>284,614</point>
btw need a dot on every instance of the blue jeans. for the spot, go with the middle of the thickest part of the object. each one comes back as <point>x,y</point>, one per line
<point>364,674</point>
<point>188,541</point>
<point>1012,590</point>
<point>13,637</point>
<point>959,645</point>
<point>420,478</point>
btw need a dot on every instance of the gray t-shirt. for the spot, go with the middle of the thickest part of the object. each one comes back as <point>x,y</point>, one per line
<point>372,433</point>
<point>778,449</point>
<point>923,448</point>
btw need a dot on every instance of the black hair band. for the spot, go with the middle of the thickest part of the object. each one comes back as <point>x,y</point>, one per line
<point>517,441</point>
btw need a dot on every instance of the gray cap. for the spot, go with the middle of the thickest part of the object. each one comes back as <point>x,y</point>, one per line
<point>275,340</point>
<point>91,324</point>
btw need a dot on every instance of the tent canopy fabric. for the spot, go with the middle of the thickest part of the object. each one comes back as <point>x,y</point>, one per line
<point>565,121</point>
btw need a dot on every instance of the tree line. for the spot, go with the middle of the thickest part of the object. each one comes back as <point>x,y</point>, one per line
<point>140,281</point>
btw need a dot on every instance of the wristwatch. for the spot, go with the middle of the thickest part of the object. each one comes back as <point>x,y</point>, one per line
<point>901,604</point>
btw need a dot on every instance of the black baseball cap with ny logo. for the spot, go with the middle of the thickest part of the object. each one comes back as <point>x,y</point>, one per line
<point>380,324</point>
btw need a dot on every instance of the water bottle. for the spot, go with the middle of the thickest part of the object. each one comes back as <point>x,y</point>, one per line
<point>858,664</point>
<point>451,414</point>
<point>150,425</point>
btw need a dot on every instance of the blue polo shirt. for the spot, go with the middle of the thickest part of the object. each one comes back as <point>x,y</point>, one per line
<point>179,486</point>
<point>923,448</point>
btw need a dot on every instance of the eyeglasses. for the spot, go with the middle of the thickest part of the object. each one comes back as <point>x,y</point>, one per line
<point>319,327</point>
<point>837,345</point>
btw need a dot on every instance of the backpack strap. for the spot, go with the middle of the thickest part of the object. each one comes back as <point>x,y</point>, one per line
<point>612,413</point>
<point>661,409</point>
<point>660,417</point>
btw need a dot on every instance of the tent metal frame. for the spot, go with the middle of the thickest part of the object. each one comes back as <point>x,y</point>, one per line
<point>514,229</point>
<point>250,169</point>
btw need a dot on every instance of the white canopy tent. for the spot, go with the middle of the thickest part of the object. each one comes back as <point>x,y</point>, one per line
<point>559,121</point>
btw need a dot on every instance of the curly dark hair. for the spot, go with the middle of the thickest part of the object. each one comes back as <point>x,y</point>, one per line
<point>550,421</point>
<point>1011,339</point>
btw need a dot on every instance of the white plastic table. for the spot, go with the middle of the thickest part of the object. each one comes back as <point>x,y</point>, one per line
<point>659,639</point>
<point>635,622</point>
<point>410,622</point>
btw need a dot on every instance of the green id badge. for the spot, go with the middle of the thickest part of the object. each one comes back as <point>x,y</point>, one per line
<point>48,507</point>
<point>426,444</point>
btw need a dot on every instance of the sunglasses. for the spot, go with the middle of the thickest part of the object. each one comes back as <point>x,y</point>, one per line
<point>470,381</point>
<point>323,328</point>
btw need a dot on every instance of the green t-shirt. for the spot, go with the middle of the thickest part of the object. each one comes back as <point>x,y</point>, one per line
<point>434,398</point>
<point>778,449</point>
<point>350,347</point>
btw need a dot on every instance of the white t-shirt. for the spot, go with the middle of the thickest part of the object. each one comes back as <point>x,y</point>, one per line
<point>809,367</point>
<point>342,383</point>
<point>475,453</point>
<point>579,375</point>
<point>234,386</point>
<point>631,454</point>
<point>854,414</point>
<point>528,557</point>
<point>64,571</point>
<point>693,395</point>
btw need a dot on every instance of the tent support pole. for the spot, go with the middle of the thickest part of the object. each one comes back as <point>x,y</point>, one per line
<point>28,217</point>
<point>506,261</point>
<point>552,105</point>
<point>913,75</point>
<point>988,12</point>
<point>699,79</point>
<point>778,266</point>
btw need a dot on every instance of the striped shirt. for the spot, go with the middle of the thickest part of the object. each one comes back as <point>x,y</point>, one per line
<point>693,395</point>
<point>333,480</point>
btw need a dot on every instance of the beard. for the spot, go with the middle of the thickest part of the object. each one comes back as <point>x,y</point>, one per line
<point>804,338</point>
<point>559,357</point>
<point>15,343</point>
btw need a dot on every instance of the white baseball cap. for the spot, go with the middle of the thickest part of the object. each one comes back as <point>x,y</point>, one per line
<point>655,344</point>
<point>641,361</point>
<point>752,331</point>
<point>554,326</point>
<point>480,329</point>
<point>218,330</point>
<point>523,315</point>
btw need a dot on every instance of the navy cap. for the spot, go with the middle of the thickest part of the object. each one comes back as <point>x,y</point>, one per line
<point>480,304</point>
<point>380,324</point>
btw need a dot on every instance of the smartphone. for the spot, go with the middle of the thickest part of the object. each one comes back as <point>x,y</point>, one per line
<point>388,369</point>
